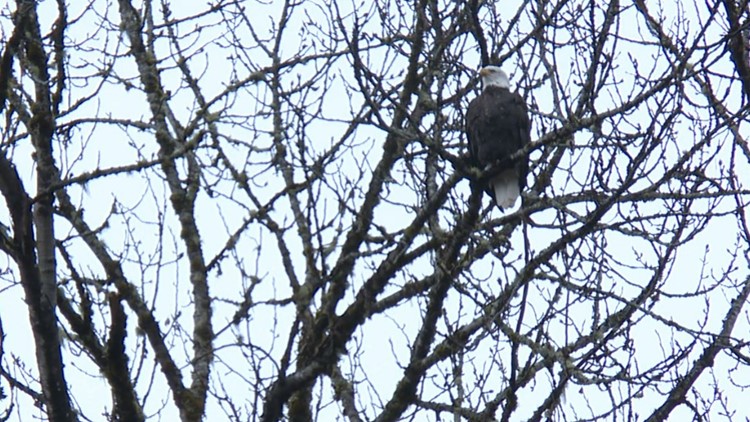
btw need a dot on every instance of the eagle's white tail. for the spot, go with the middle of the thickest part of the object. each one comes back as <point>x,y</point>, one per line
<point>506,189</point>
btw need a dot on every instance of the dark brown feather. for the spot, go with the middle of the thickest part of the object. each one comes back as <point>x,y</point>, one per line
<point>497,126</point>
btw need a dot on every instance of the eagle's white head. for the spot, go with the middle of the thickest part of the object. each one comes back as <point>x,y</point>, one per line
<point>494,76</point>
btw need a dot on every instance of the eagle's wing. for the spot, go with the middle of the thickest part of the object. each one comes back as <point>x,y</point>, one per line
<point>473,135</point>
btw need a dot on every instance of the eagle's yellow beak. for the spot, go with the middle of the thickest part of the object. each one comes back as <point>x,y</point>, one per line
<point>484,72</point>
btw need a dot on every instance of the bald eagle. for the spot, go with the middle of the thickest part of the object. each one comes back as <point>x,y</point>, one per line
<point>497,126</point>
